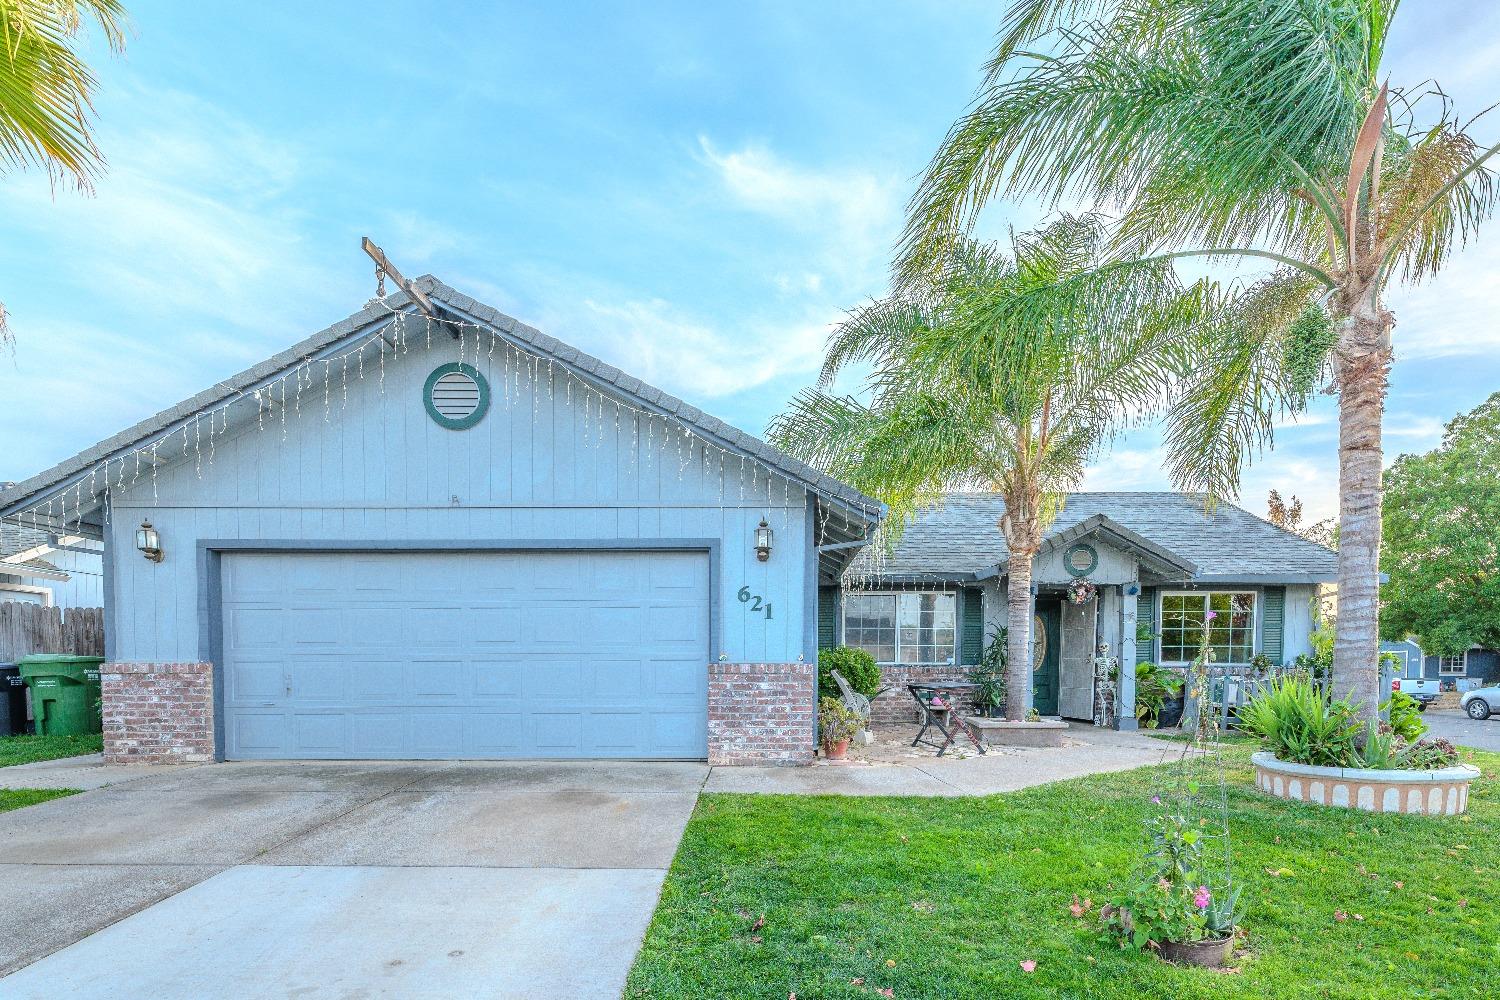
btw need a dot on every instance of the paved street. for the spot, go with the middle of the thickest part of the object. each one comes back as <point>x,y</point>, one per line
<point>1455,727</point>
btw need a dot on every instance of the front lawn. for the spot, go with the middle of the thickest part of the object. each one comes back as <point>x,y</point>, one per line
<point>29,749</point>
<point>944,898</point>
<point>15,798</point>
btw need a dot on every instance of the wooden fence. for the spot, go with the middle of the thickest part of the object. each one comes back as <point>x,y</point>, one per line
<point>32,628</point>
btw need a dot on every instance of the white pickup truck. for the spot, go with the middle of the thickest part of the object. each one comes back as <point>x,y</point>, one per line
<point>1422,689</point>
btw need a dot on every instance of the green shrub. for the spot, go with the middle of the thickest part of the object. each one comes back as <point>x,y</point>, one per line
<point>989,672</point>
<point>1406,716</point>
<point>1154,685</point>
<point>857,666</point>
<point>1295,720</point>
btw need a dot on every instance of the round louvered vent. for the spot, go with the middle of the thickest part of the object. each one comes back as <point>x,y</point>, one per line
<point>457,396</point>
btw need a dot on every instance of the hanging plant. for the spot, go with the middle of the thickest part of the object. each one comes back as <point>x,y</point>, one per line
<point>1081,591</point>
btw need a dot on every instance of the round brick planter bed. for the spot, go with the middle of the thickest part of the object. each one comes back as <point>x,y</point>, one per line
<point>1443,792</point>
<point>1210,953</point>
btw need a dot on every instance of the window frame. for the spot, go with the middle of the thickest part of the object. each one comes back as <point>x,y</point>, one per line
<point>1445,671</point>
<point>952,595</point>
<point>1256,596</point>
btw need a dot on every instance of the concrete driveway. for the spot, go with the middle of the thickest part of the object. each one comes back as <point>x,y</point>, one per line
<point>341,880</point>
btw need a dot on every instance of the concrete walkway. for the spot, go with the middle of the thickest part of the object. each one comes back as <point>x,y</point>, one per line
<point>893,767</point>
<point>312,880</point>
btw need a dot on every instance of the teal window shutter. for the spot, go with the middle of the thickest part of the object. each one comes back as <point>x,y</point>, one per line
<point>971,625</point>
<point>828,610</point>
<point>1273,623</point>
<point>1145,618</point>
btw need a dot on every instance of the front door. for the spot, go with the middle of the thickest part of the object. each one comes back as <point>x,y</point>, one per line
<point>1046,643</point>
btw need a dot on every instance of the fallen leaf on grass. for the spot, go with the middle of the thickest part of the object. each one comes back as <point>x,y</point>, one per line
<point>1340,916</point>
<point>922,906</point>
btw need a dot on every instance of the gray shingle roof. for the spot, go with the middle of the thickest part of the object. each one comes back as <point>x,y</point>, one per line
<point>960,537</point>
<point>39,486</point>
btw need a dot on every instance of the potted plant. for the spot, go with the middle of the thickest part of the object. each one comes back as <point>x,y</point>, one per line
<point>837,725</point>
<point>989,674</point>
<point>1171,910</point>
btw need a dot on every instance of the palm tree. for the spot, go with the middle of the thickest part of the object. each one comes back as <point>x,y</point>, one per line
<point>46,90</point>
<point>1237,129</point>
<point>1006,372</point>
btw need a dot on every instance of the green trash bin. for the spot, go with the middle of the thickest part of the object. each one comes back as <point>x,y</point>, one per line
<point>64,692</point>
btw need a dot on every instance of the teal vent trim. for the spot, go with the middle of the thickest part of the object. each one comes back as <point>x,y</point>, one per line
<point>456,395</point>
<point>971,626</point>
<point>1273,628</point>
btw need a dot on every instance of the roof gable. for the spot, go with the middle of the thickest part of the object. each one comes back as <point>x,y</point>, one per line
<point>960,539</point>
<point>77,485</point>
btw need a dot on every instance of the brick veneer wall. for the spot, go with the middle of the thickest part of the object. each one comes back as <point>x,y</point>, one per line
<point>761,713</point>
<point>157,713</point>
<point>896,706</point>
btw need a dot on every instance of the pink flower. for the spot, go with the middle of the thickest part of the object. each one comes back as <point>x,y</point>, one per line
<point>1028,966</point>
<point>1201,897</point>
<point>1156,800</point>
<point>1212,615</point>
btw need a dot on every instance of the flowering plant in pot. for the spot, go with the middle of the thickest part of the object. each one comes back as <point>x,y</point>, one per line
<point>1172,910</point>
<point>837,725</point>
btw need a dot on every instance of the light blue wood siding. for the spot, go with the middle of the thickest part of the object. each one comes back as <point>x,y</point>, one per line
<point>547,462</point>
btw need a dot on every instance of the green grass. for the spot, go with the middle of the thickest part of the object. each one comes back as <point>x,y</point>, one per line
<point>944,898</point>
<point>17,798</point>
<point>29,749</point>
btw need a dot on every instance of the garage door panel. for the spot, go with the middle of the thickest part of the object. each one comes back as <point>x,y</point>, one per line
<point>492,626</point>
<point>248,627</point>
<point>602,654</point>
<point>316,678</point>
<point>498,678</point>
<point>494,733</point>
<point>313,735</point>
<point>377,680</point>
<point>617,679</point>
<point>675,677</point>
<point>256,680</point>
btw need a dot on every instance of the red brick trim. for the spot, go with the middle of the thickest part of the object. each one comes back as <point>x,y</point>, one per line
<point>762,713</point>
<point>157,713</point>
<point>896,706</point>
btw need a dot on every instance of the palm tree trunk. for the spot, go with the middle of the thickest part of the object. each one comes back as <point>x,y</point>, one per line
<point>1363,364</point>
<point>1018,616</point>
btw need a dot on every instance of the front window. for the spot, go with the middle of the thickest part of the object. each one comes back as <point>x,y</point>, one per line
<point>1231,630</point>
<point>1454,665</point>
<point>901,628</point>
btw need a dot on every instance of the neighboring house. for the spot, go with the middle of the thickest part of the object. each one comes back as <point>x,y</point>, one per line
<point>1472,668</point>
<point>41,567</point>
<point>1159,561</point>
<point>404,538</point>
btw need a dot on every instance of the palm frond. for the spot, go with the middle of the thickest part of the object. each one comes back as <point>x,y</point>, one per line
<point>46,89</point>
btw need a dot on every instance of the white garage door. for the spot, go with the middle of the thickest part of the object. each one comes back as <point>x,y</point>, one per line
<point>464,655</point>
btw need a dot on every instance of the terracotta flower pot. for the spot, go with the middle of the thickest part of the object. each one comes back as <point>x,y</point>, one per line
<point>1210,953</point>
<point>836,751</point>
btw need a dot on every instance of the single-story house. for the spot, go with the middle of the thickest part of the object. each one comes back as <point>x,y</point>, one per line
<point>41,567</point>
<point>1157,562</point>
<point>431,531</point>
<point>1474,667</point>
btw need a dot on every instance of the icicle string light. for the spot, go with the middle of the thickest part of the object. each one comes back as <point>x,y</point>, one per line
<point>394,337</point>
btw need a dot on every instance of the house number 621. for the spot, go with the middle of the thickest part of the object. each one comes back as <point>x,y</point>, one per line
<point>755,601</point>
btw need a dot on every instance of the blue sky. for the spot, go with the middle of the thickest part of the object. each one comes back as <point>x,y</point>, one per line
<point>694,192</point>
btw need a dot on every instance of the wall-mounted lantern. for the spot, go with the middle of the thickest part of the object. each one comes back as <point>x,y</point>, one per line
<point>148,541</point>
<point>764,536</point>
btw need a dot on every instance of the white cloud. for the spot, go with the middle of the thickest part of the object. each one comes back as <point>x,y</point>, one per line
<point>848,217</point>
